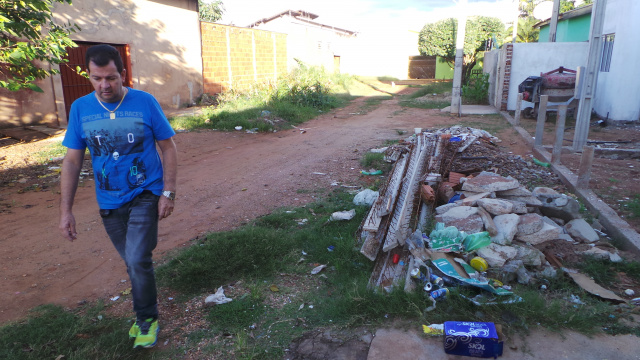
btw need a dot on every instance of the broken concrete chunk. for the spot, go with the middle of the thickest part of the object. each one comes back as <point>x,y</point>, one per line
<point>530,256</point>
<point>568,212</point>
<point>496,206</point>
<point>489,225</point>
<point>529,224</point>
<point>470,224</point>
<point>581,230</point>
<point>497,255</point>
<point>490,182</point>
<point>518,206</point>
<point>473,200</point>
<point>548,272</point>
<point>545,234</point>
<point>545,194</point>
<point>521,191</point>
<point>508,272</point>
<point>550,221</point>
<point>446,207</point>
<point>528,200</point>
<point>507,226</point>
<point>523,276</point>
<point>457,213</point>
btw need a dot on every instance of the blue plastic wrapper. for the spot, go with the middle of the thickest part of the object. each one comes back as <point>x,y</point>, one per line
<point>477,339</point>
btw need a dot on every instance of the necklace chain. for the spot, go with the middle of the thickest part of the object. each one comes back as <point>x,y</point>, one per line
<point>112,112</point>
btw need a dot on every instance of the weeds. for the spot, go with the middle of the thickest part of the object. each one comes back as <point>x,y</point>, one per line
<point>477,91</point>
<point>633,205</point>
<point>293,99</point>
<point>51,151</point>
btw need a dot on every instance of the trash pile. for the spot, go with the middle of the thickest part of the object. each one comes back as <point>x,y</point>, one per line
<point>487,229</point>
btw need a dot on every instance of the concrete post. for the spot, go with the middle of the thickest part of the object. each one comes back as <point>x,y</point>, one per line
<point>584,172</point>
<point>516,116</point>
<point>557,146</point>
<point>553,25</point>
<point>542,117</point>
<point>457,70</point>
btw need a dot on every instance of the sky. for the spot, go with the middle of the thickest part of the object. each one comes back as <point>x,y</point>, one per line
<point>366,16</point>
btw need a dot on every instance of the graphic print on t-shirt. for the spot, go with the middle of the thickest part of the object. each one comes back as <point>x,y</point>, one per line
<point>116,147</point>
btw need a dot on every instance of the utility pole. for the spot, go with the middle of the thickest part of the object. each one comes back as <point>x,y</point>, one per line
<point>591,75</point>
<point>456,101</point>
<point>553,26</point>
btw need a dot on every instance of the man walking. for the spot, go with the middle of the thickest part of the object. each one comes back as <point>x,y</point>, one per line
<point>134,188</point>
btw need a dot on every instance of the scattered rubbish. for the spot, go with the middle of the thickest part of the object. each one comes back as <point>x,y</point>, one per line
<point>477,339</point>
<point>396,258</point>
<point>440,293</point>
<point>538,162</point>
<point>484,299</point>
<point>371,172</point>
<point>318,173</point>
<point>301,307</point>
<point>126,292</point>
<point>379,151</point>
<point>478,263</point>
<point>331,248</point>
<point>543,287</point>
<point>576,300</point>
<point>238,127</point>
<point>99,317</point>
<point>343,215</point>
<point>317,269</point>
<point>265,113</point>
<point>274,288</point>
<point>629,292</point>
<point>301,221</point>
<point>433,329</point>
<point>218,298</point>
<point>366,197</point>
<point>590,286</point>
<point>115,298</point>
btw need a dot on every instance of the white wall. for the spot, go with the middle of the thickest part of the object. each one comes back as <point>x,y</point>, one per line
<point>531,59</point>
<point>618,91</point>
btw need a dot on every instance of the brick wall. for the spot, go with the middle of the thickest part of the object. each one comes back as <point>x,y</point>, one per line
<point>507,76</point>
<point>235,58</point>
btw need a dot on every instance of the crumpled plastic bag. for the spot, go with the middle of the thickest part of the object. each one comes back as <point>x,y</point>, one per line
<point>365,197</point>
<point>218,298</point>
<point>343,215</point>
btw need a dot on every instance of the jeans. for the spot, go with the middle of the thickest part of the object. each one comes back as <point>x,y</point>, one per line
<point>133,229</point>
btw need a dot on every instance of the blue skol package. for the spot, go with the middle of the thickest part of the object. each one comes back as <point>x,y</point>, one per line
<point>477,339</point>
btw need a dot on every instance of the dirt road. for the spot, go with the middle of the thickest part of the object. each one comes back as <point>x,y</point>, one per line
<point>225,179</point>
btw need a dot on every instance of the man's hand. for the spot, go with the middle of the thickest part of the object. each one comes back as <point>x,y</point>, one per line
<point>68,226</point>
<point>165,207</point>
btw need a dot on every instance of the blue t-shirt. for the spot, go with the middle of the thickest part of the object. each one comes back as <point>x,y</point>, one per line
<point>123,150</point>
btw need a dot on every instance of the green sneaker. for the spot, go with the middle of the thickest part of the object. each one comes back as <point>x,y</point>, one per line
<point>147,336</point>
<point>134,331</point>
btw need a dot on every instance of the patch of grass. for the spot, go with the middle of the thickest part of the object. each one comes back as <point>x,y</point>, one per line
<point>51,151</point>
<point>633,205</point>
<point>604,271</point>
<point>51,331</point>
<point>438,88</point>
<point>293,99</point>
<point>375,161</point>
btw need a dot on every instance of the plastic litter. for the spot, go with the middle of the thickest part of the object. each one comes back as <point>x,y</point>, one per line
<point>476,241</point>
<point>373,172</point>
<point>218,298</point>
<point>343,215</point>
<point>433,329</point>
<point>366,197</point>
<point>317,269</point>
<point>538,162</point>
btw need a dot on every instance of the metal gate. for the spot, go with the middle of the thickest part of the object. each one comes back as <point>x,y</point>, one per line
<point>75,85</point>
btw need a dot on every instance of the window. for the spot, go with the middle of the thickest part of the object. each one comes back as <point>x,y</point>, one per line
<point>607,50</point>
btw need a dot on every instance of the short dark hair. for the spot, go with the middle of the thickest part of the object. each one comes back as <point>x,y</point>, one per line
<point>102,54</point>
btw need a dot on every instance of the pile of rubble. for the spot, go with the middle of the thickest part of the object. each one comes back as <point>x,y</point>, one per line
<point>507,223</point>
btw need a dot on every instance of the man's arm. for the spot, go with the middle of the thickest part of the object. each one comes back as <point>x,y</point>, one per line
<point>71,166</point>
<point>170,168</point>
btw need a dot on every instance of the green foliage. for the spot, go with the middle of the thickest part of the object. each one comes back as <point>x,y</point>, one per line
<point>633,205</point>
<point>53,150</point>
<point>51,331</point>
<point>440,39</point>
<point>210,10</point>
<point>477,91</point>
<point>28,36</point>
<point>526,32</point>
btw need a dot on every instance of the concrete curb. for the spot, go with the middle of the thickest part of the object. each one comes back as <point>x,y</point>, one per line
<point>616,226</point>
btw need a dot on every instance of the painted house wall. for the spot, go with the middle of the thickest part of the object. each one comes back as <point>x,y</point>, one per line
<point>618,91</point>
<point>312,44</point>
<point>164,41</point>
<point>569,30</point>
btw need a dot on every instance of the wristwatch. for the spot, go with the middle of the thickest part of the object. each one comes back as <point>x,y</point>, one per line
<point>171,195</point>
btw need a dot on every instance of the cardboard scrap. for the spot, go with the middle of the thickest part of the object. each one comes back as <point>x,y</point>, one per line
<point>590,286</point>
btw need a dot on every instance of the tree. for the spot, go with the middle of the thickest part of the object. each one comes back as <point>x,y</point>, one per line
<point>210,10</point>
<point>440,39</point>
<point>30,41</point>
<point>526,32</point>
